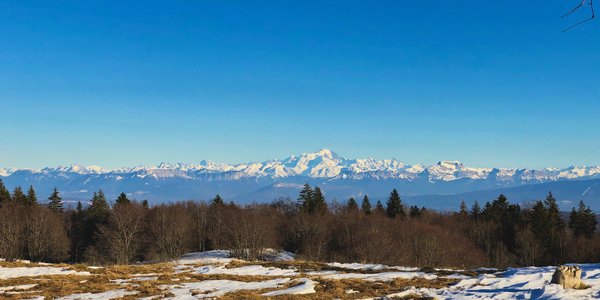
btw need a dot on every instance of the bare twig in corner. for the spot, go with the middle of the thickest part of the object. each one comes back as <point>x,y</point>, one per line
<point>576,8</point>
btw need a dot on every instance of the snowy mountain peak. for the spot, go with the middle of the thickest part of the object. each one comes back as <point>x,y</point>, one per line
<point>325,163</point>
<point>80,169</point>
<point>450,164</point>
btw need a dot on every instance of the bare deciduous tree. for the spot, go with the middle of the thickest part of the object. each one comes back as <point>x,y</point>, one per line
<point>11,228</point>
<point>45,235</point>
<point>123,232</point>
<point>170,227</point>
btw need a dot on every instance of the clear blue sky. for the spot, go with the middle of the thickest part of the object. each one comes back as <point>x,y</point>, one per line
<point>121,83</point>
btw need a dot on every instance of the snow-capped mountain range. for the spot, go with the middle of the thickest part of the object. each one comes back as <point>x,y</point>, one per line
<point>326,164</point>
<point>264,181</point>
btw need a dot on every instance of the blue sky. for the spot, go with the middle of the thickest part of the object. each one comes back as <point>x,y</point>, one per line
<point>121,83</point>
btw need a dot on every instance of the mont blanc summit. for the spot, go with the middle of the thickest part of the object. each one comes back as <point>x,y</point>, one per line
<point>267,180</point>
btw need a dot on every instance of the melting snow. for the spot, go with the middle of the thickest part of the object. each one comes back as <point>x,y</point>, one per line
<point>6,273</point>
<point>253,270</point>
<point>216,288</point>
<point>99,296</point>
<point>373,267</point>
<point>4,289</point>
<point>516,283</point>
<point>383,276</point>
<point>306,286</point>
<point>206,257</point>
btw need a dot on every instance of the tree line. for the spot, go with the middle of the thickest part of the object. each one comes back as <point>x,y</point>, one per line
<point>499,234</point>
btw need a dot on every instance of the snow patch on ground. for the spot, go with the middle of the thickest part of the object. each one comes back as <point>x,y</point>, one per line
<point>383,276</point>
<point>15,288</point>
<point>216,288</point>
<point>516,283</point>
<point>224,257</point>
<point>371,267</point>
<point>6,273</point>
<point>206,257</point>
<point>252,270</point>
<point>306,286</point>
<point>99,296</point>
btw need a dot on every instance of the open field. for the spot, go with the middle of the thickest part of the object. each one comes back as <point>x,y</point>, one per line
<point>213,274</point>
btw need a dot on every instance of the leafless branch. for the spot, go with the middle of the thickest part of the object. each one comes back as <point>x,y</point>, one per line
<point>576,8</point>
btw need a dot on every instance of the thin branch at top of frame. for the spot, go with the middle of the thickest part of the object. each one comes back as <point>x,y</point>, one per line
<point>592,16</point>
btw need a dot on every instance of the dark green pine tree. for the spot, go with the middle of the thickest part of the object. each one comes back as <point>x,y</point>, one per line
<point>558,224</point>
<point>99,210</point>
<point>366,205</point>
<point>540,224</point>
<point>590,222</point>
<point>145,204</point>
<point>379,209</point>
<point>414,212</point>
<point>95,216</point>
<point>352,205</point>
<point>55,201</point>
<point>486,212</point>
<point>394,206</point>
<point>18,196</point>
<point>475,211</point>
<point>218,201</point>
<point>306,199</point>
<point>4,193</point>
<point>320,205</point>
<point>574,221</point>
<point>583,221</point>
<point>122,200</point>
<point>463,211</point>
<point>77,231</point>
<point>506,217</point>
<point>31,197</point>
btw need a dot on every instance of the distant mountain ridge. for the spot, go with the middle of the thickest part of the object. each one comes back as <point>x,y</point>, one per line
<point>263,181</point>
<point>327,164</point>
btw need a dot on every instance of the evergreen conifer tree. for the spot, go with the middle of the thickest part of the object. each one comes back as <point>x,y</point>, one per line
<point>99,209</point>
<point>379,209</point>
<point>18,196</point>
<point>4,193</point>
<point>464,211</point>
<point>319,203</point>
<point>574,221</point>
<point>31,197</point>
<point>95,216</point>
<point>506,217</point>
<point>351,205</point>
<point>394,206</point>
<point>414,212</point>
<point>366,205</point>
<point>558,224</point>
<point>583,221</point>
<point>556,229</point>
<point>218,201</point>
<point>475,211</point>
<point>590,222</point>
<point>145,204</point>
<point>55,201</point>
<point>540,224</point>
<point>122,199</point>
<point>306,199</point>
<point>78,229</point>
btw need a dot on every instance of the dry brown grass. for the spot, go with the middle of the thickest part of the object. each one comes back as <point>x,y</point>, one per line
<point>101,280</point>
<point>337,289</point>
<point>52,286</point>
